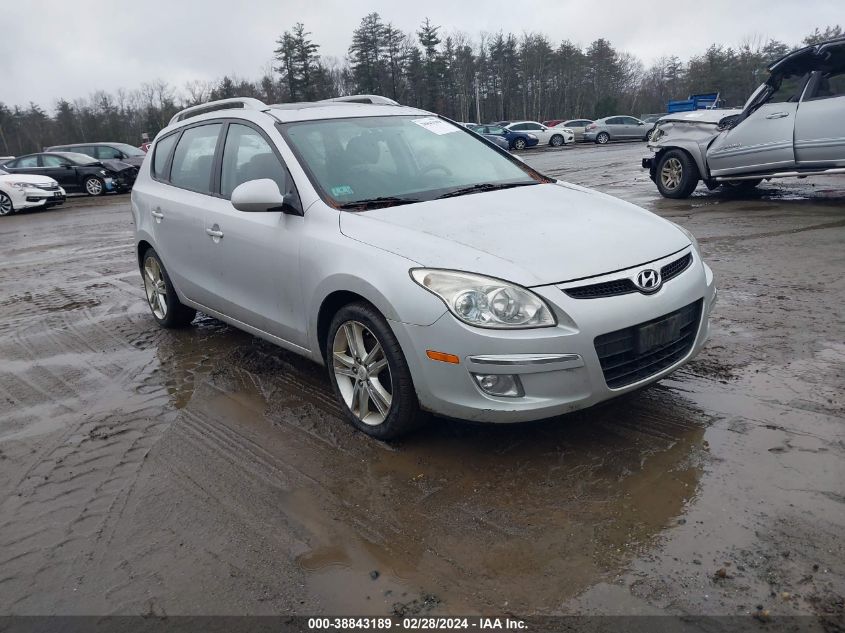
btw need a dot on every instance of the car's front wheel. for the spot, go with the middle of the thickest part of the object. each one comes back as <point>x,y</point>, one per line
<point>677,174</point>
<point>519,143</point>
<point>6,206</point>
<point>94,186</point>
<point>369,373</point>
<point>164,303</point>
<point>602,138</point>
<point>556,141</point>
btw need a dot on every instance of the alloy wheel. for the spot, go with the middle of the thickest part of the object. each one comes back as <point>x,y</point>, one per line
<point>362,373</point>
<point>602,138</point>
<point>519,144</point>
<point>5,204</point>
<point>557,141</point>
<point>155,287</point>
<point>93,186</point>
<point>671,173</point>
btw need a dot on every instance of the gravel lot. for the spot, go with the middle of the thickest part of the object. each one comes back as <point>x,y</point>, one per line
<point>204,471</point>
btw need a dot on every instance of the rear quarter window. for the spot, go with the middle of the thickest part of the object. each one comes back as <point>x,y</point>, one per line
<point>162,153</point>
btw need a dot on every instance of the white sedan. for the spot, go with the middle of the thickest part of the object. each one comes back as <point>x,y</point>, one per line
<point>21,191</point>
<point>554,136</point>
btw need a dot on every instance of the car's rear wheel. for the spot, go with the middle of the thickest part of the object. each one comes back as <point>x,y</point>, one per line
<point>602,138</point>
<point>677,174</point>
<point>519,143</point>
<point>164,303</point>
<point>369,373</point>
<point>94,186</point>
<point>556,140</point>
<point>6,206</point>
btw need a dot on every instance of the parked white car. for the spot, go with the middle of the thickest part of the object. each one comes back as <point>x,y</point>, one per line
<point>425,268</point>
<point>554,136</point>
<point>22,191</point>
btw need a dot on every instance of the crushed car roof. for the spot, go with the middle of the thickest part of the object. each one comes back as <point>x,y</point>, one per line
<point>825,56</point>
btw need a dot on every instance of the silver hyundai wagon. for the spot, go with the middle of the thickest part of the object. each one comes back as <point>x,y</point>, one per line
<point>428,269</point>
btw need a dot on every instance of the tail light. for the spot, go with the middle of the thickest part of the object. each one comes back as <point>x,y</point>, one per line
<point>592,126</point>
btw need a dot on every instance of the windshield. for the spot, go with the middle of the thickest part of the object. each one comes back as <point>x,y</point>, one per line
<point>128,149</point>
<point>399,159</point>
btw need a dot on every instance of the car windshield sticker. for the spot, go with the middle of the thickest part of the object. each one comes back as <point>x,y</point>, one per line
<point>438,126</point>
<point>342,190</point>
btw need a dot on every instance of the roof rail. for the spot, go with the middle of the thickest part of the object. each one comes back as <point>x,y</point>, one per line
<point>374,99</point>
<point>246,103</point>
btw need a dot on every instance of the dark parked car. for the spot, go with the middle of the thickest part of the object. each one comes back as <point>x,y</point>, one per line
<point>104,151</point>
<point>516,140</point>
<point>76,172</point>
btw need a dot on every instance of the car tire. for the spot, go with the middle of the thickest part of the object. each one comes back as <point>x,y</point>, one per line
<point>519,143</point>
<point>557,141</point>
<point>94,186</point>
<point>162,299</point>
<point>6,206</point>
<point>676,175</point>
<point>390,406</point>
<point>602,138</point>
<point>741,185</point>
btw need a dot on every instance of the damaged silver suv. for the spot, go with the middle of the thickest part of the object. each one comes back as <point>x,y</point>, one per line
<point>792,125</point>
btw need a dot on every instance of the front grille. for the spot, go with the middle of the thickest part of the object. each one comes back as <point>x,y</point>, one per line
<point>675,268</point>
<point>604,289</point>
<point>626,286</point>
<point>623,364</point>
<point>47,187</point>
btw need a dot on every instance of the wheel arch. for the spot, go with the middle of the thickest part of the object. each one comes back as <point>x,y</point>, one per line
<point>691,148</point>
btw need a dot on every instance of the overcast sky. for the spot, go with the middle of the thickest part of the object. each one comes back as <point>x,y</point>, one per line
<point>54,48</point>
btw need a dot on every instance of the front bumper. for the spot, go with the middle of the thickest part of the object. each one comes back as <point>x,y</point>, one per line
<point>558,367</point>
<point>34,197</point>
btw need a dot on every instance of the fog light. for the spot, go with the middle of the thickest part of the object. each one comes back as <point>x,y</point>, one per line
<point>506,385</point>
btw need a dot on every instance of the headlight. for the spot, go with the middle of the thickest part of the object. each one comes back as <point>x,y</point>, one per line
<point>103,172</point>
<point>568,130</point>
<point>690,236</point>
<point>484,301</point>
<point>22,185</point>
<point>531,136</point>
<point>657,134</point>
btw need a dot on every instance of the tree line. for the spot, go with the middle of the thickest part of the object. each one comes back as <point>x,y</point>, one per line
<point>492,77</point>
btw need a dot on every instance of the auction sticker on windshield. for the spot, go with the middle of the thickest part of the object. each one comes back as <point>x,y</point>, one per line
<point>438,126</point>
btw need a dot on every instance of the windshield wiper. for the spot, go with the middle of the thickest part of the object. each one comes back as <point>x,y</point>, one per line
<point>373,203</point>
<point>485,186</point>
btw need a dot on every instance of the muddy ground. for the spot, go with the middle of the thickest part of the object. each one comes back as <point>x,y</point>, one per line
<point>204,471</point>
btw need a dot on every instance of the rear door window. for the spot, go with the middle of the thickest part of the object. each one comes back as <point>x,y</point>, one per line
<point>194,158</point>
<point>27,162</point>
<point>829,85</point>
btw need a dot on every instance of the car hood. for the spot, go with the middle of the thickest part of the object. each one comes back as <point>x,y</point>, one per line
<point>35,180</point>
<point>532,236</point>
<point>116,165</point>
<point>700,116</point>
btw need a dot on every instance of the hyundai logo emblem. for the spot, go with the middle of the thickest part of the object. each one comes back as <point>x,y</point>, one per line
<point>648,280</point>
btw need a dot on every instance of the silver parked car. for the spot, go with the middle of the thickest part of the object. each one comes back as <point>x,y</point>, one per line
<point>426,268</point>
<point>578,127</point>
<point>792,125</point>
<point>616,128</point>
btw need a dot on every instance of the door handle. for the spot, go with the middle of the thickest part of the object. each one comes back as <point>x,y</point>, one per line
<point>214,233</point>
<point>777,115</point>
<point>157,214</point>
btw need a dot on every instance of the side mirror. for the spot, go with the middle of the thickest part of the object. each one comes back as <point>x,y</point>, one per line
<point>640,123</point>
<point>264,195</point>
<point>67,165</point>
